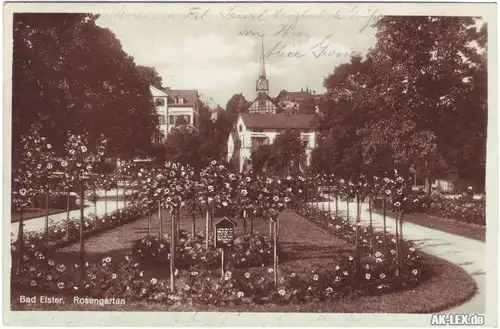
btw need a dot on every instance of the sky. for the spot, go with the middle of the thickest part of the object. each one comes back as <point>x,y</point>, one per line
<point>216,48</point>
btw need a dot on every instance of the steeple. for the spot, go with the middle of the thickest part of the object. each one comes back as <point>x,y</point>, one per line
<point>262,86</point>
<point>262,70</point>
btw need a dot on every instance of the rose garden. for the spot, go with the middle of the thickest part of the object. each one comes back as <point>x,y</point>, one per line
<point>175,260</point>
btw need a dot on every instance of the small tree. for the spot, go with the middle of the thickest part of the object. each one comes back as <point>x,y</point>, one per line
<point>288,152</point>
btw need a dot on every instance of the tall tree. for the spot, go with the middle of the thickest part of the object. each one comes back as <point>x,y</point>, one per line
<point>71,75</point>
<point>235,105</point>
<point>150,75</point>
<point>416,99</point>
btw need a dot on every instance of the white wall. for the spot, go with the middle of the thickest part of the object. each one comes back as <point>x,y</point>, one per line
<point>246,135</point>
<point>173,110</point>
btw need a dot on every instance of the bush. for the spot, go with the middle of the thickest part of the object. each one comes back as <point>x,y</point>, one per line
<point>190,253</point>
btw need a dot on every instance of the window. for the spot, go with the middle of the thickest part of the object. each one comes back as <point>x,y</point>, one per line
<point>262,103</point>
<point>161,119</point>
<point>259,130</point>
<point>240,128</point>
<point>171,119</point>
<point>249,161</point>
<point>159,102</point>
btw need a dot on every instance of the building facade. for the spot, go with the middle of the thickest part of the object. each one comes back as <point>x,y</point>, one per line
<point>173,107</point>
<point>256,129</point>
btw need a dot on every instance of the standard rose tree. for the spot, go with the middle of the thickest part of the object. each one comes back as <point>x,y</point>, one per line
<point>31,176</point>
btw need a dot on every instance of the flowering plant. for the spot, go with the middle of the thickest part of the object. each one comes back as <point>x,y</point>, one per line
<point>34,170</point>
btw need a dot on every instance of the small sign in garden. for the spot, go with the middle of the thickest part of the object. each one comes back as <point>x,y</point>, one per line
<point>224,236</point>
<point>224,233</point>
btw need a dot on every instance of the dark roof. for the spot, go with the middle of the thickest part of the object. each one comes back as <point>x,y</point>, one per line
<point>298,95</point>
<point>190,96</point>
<point>278,121</point>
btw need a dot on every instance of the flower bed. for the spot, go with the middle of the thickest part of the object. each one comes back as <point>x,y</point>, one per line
<point>377,251</point>
<point>62,234</point>
<point>126,279</point>
<point>460,209</point>
<point>201,283</point>
<point>247,251</point>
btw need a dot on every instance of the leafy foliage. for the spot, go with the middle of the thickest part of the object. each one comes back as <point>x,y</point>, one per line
<point>417,99</point>
<point>67,72</point>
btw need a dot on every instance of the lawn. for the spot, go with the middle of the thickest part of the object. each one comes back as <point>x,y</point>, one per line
<point>467,230</point>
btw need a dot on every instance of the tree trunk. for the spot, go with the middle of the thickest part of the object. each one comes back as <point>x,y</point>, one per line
<point>149,222</point>
<point>105,201</point>
<point>160,219</point>
<point>370,203</point>
<point>82,245</point>
<point>207,227</point>
<point>384,219</point>
<point>68,206</point>
<point>172,251</point>
<point>46,237</point>
<point>357,243</point>
<point>20,239</point>
<point>427,187</point>
<point>251,223</point>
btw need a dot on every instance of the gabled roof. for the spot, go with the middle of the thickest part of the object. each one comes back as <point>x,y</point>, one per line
<point>155,92</point>
<point>278,121</point>
<point>190,96</point>
<point>298,95</point>
<point>265,97</point>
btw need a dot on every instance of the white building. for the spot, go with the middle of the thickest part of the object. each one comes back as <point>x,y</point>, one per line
<point>253,130</point>
<point>265,120</point>
<point>171,106</point>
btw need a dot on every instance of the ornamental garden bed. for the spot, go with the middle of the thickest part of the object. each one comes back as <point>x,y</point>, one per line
<point>460,209</point>
<point>331,279</point>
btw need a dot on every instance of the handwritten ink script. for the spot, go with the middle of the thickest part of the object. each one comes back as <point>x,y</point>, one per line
<point>294,34</point>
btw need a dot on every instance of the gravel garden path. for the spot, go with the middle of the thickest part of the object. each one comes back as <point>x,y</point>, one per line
<point>469,254</point>
<point>38,223</point>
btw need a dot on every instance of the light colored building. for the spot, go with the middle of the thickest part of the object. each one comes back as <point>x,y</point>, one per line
<point>160,99</point>
<point>255,129</point>
<point>265,120</point>
<point>173,105</point>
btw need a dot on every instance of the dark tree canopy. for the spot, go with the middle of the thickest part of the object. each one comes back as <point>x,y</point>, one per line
<point>235,105</point>
<point>417,99</point>
<point>71,75</point>
<point>150,75</point>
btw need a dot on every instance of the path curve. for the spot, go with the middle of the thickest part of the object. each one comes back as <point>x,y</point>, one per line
<point>466,253</point>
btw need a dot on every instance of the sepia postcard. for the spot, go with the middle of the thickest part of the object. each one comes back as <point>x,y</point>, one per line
<point>250,164</point>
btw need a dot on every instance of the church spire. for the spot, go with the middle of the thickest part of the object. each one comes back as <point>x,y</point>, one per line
<point>262,82</point>
<point>262,70</point>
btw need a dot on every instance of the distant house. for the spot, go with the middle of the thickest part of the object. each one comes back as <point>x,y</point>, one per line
<point>170,106</point>
<point>160,99</point>
<point>265,119</point>
<point>182,103</point>
<point>292,101</point>
<point>254,129</point>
